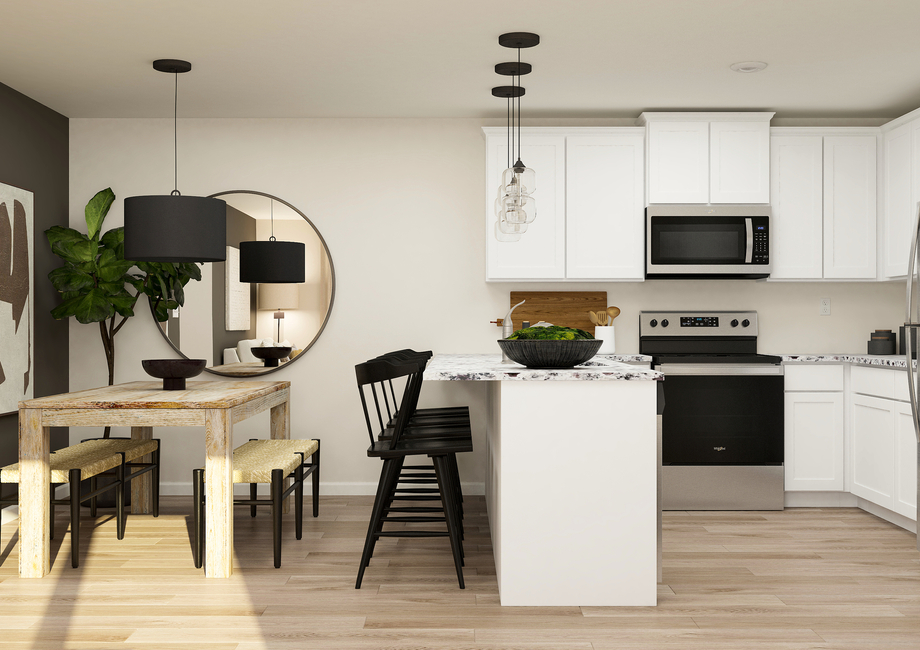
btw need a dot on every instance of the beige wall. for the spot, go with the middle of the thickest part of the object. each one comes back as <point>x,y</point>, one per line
<point>400,204</point>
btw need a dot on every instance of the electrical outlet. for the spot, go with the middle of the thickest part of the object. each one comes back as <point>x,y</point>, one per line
<point>824,307</point>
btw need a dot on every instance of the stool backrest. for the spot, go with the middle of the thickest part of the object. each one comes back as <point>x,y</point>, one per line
<point>373,376</point>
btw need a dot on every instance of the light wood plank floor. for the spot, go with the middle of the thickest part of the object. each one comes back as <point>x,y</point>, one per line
<point>794,580</point>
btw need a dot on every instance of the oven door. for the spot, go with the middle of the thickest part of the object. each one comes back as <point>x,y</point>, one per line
<point>722,415</point>
<point>703,246</point>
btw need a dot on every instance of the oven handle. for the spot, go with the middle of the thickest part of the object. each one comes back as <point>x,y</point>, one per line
<point>749,227</point>
<point>718,369</point>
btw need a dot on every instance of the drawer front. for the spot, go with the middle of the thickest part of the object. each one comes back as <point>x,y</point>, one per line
<point>801,377</point>
<point>878,382</point>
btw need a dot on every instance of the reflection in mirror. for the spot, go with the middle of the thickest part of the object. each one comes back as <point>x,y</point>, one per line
<point>223,319</point>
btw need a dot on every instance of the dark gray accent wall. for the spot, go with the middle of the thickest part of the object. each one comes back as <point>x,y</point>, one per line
<point>34,141</point>
<point>240,227</point>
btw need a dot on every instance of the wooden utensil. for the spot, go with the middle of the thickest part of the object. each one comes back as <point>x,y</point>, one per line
<point>602,318</point>
<point>613,312</point>
<point>593,317</point>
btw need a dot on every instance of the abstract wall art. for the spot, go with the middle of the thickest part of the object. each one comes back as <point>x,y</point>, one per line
<point>236,304</point>
<point>17,293</point>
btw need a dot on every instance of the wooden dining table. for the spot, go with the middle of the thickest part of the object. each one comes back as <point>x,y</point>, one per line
<point>143,405</point>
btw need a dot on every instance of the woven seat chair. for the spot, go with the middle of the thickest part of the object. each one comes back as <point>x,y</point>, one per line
<point>133,450</point>
<point>87,459</point>
<point>265,461</point>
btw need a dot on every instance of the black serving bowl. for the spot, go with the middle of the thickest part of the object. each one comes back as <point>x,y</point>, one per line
<point>173,372</point>
<point>550,354</point>
<point>271,355</point>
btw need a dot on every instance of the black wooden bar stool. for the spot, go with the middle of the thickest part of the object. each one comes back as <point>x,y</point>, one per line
<point>393,447</point>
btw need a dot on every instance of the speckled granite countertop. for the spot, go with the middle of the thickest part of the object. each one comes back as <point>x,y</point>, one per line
<point>489,367</point>
<point>882,361</point>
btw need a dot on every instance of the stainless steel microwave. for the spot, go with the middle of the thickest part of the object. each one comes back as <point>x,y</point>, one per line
<point>707,241</point>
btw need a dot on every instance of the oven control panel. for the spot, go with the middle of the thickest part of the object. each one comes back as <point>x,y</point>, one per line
<point>698,323</point>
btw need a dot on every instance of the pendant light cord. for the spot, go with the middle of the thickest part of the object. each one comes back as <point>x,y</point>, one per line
<point>519,105</point>
<point>272,212</point>
<point>176,191</point>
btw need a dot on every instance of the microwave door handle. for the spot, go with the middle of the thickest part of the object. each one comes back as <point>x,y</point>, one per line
<point>749,227</point>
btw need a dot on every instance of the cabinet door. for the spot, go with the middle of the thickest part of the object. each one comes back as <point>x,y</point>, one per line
<point>797,194</point>
<point>678,162</point>
<point>899,209</point>
<point>814,441</point>
<point>905,492</point>
<point>849,207</point>
<point>540,253</point>
<point>605,202</point>
<point>739,162</point>
<point>873,446</point>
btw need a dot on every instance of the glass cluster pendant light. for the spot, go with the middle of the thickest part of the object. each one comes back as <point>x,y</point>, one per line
<point>515,207</point>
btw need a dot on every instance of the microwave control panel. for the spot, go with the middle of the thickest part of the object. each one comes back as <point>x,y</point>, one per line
<point>761,252</point>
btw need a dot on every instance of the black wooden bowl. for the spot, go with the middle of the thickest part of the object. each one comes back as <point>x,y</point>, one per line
<point>550,354</point>
<point>173,372</point>
<point>271,355</point>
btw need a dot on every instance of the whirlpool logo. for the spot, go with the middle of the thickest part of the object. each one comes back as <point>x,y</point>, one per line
<point>719,448</point>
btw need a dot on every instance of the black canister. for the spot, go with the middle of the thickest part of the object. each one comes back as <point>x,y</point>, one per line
<point>882,342</point>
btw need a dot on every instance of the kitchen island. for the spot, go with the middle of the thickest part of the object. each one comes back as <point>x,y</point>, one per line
<point>571,486</point>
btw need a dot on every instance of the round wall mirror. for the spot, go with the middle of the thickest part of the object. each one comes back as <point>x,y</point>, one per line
<point>223,319</point>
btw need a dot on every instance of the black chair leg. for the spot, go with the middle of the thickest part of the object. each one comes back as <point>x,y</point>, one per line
<point>277,491</point>
<point>298,503</point>
<point>92,502</point>
<point>253,495</point>
<point>155,487</point>
<point>390,466</point>
<point>120,494</point>
<point>316,481</point>
<point>75,518</point>
<point>198,515</point>
<point>447,498</point>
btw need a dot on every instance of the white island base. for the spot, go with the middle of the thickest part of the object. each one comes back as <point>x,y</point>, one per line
<point>572,491</point>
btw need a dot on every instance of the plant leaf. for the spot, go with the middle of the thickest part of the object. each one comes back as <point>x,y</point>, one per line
<point>59,233</point>
<point>76,251</point>
<point>91,307</point>
<point>96,210</point>
<point>115,239</point>
<point>123,303</point>
<point>110,267</point>
<point>68,278</point>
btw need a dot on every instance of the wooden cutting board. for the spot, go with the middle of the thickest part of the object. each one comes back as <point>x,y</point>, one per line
<point>564,308</point>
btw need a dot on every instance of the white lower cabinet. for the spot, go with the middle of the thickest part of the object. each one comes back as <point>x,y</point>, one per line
<point>905,482</point>
<point>873,428</point>
<point>814,441</point>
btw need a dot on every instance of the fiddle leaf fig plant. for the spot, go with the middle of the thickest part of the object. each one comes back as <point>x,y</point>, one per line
<point>95,278</point>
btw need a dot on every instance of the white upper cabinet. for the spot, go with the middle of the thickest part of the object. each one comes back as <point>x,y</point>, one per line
<point>898,200</point>
<point>823,195</point>
<point>678,162</point>
<point>605,203</point>
<point>850,206</point>
<point>901,190</point>
<point>708,157</point>
<point>590,201</point>
<point>540,253</point>
<point>739,162</point>
<point>797,195</point>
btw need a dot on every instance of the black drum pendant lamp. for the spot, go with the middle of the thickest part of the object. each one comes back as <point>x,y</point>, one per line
<point>175,228</point>
<point>272,261</point>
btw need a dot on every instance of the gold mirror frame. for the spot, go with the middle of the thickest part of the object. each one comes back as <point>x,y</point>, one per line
<point>325,249</point>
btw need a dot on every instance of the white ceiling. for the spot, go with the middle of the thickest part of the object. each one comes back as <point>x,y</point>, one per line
<point>435,58</point>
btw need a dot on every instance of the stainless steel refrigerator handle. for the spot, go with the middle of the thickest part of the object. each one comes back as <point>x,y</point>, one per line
<point>749,227</point>
<point>909,328</point>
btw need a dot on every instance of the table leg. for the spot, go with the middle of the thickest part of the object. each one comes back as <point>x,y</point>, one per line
<point>141,487</point>
<point>281,430</point>
<point>218,494</point>
<point>34,495</point>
